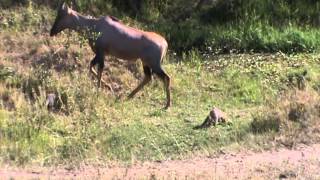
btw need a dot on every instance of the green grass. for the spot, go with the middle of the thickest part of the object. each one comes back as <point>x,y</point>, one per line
<point>95,126</point>
<point>92,125</point>
<point>250,32</point>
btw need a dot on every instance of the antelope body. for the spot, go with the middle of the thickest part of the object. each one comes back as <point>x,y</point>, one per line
<point>108,36</point>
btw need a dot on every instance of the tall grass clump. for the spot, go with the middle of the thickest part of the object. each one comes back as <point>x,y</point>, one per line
<point>293,117</point>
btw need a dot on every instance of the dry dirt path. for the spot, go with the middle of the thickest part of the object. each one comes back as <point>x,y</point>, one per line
<point>302,162</point>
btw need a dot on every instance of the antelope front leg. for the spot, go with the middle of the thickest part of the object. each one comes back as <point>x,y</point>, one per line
<point>100,70</point>
<point>91,67</point>
<point>98,74</point>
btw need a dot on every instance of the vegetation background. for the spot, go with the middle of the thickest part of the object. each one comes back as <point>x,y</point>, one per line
<point>257,60</point>
<point>215,25</point>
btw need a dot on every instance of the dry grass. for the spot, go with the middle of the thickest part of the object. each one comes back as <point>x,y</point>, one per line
<point>295,116</point>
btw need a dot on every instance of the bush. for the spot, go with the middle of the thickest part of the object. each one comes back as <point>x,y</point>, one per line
<point>265,123</point>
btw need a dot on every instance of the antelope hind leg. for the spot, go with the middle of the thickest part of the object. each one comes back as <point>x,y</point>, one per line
<point>146,80</point>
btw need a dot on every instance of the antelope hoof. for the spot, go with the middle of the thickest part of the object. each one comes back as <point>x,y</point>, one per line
<point>167,106</point>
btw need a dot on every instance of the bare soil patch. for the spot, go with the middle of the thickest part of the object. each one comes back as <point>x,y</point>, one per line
<point>301,162</point>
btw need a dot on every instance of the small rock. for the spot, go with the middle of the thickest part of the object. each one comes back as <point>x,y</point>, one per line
<point>8,102</point>
<point>50,102</point>
<point>287,174</point>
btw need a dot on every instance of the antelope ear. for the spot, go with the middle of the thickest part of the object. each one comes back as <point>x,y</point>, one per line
<point>64,6</point>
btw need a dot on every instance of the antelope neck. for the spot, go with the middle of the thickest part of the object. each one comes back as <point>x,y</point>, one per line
<point>82,23</point>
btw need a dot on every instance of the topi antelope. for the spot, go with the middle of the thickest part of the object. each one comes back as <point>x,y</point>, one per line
<point>108,36</point>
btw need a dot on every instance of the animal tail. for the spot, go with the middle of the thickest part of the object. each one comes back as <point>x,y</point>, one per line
<point>164,50</point>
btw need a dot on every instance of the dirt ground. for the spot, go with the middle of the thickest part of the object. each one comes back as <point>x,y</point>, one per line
<point>302,162</point>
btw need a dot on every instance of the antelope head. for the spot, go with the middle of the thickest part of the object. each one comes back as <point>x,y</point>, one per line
<point>63,20</point>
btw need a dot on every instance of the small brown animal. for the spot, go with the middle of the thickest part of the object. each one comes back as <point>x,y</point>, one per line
<point>111,37</point>
<point>215,116</point>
